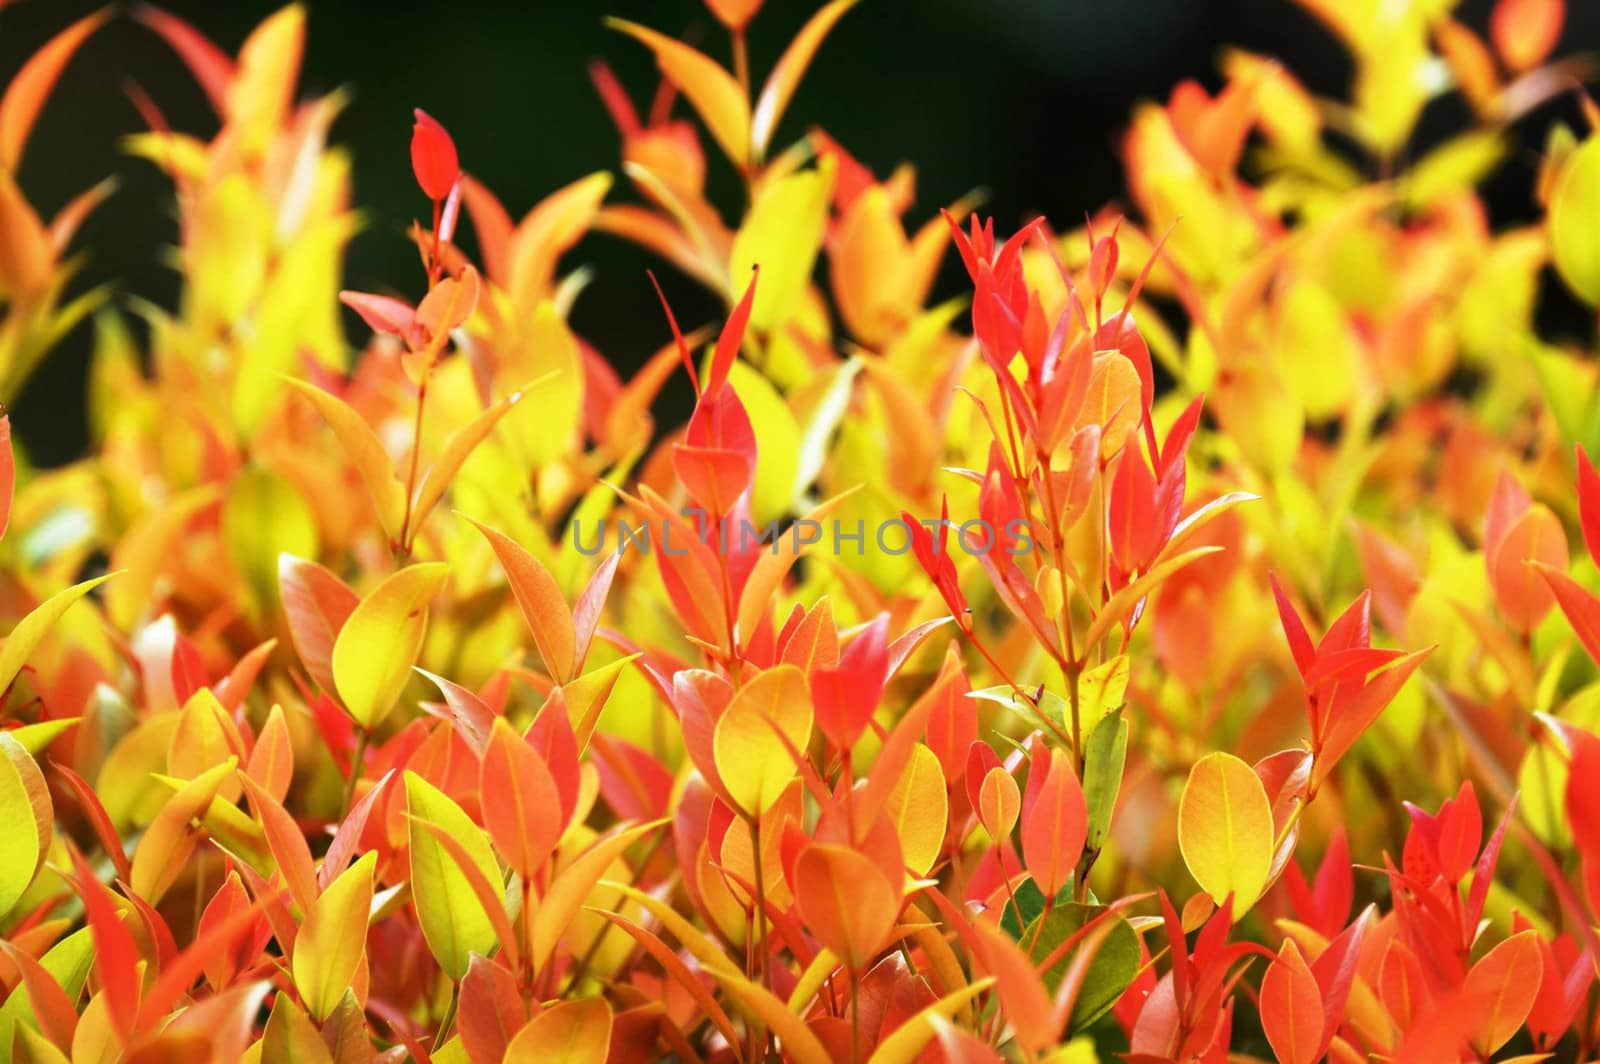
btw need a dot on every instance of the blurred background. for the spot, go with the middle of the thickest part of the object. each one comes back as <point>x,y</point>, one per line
<point>1024,98</point>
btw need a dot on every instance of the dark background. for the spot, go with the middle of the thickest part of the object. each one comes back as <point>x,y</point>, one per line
<point>1026,98</point>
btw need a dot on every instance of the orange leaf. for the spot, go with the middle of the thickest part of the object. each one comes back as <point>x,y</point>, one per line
<point>1508,978</point>
<point>539,596</point>
<point>1525,31</point>
<point>566,895</point>
<point>116,957</point>
<point>786,75</point>
<point>287,844</point>
<point>1055,821</point>
<point>574,1032</point>
<point>845,902</point>
<point>491,1010</point>
<point>26,94</point>
<point>521,808</point>
<point>1582,608</point>
<point>1023,998</point>
<point>1534,536</point>
<point>364,450</point>
<point>271,762</point>
<point>1291,1008</point>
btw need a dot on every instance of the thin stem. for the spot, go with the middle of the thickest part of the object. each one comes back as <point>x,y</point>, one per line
<point>761,973</point>
<point>449,1019</point>
<point>433,255</point>
<point>411,472</point>
<point>855,1019</point>
<point>741,60</point>
<point>1027,699</point>
<point>582,967</point>
<point>357,763</point>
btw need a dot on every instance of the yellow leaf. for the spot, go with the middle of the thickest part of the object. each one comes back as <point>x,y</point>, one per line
<point>290,1036</point>
<point>31,630</point>
<point>547,430</point>
<point>1101,690</point>
<point>573,1032</point>
<point>453,923</point>
<point>799,1044</point>
<point>586,697</point>
<point>778,455</point>
<point>263,517</point>
<point>868,261</point>
<point>748,745</point>
<point>333,938</point>
<point>145,549</point>
<point>917,806</point>
<point>1575,221</point>
<point>1225,830</point>
<point>457,449</point>
<point>711,89</point>
<point>206,736</point>
<point>165,847</point>
<point>909,1039</point>
<point>566,895</point>
<point>1318,354</point>
<point>262,90</point>
<point>26,818</point>
<point>377,646</point>
<point>782,233</point>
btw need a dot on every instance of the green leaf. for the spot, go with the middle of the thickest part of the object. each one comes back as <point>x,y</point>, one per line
<point>1104,755</point>
<point>1115,962</point>
<point>453,923</point>
<point>1026,905</point>
<point>1050,703</point>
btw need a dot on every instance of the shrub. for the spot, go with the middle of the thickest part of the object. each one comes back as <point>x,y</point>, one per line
<point>1175,648</point>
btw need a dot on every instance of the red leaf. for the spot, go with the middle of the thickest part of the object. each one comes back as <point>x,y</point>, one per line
<point>433,156</point>
<point>116,957</point>
<point>8,472</point>
<point>210,65</point>
<point>731,338</point>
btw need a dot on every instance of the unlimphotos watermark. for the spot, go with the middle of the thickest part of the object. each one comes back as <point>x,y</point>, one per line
<point>893,537</point>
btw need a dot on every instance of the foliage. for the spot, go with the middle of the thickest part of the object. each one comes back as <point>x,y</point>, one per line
<point>1174,647</point>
